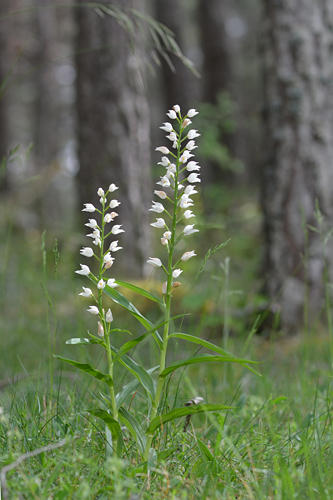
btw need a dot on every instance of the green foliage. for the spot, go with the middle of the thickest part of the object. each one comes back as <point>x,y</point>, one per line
<point>216,122</point>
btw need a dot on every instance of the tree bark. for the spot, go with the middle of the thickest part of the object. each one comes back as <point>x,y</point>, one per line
<point>176,80</point>
<point>298,119</point>
<point>113,125</point>
<point>4,139</point>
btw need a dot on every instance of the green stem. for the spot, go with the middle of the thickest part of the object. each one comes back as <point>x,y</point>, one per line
<point>106,332</point>
<point>168,296</point>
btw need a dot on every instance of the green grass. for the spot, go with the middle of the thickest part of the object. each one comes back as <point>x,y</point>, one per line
<point>276,443</point>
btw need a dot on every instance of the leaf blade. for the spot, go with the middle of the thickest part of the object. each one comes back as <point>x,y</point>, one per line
<point>87,368</point>
<point>182,412</point>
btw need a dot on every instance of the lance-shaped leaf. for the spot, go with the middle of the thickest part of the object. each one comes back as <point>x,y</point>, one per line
<point>130,388</point>
<point>203,358</point>
<point>139,372</point>
<point>85,367</point>
<point>182,412</point>
<point>213,347</point>
<point>113,426</point>
<point>132,343</point>
<point>134,428</point>
<point>122,301</point>
<point>140,291</point>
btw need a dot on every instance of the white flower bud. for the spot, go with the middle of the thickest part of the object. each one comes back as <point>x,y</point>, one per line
<point>108,316</point>
<point>100,329</point>
<point>163,150</point>
<point>160,194</point>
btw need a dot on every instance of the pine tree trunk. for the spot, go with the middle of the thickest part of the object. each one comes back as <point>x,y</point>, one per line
<point>177,79</point>
<point>113,126</point>
<point>4,139</point>
<point>298,117</point>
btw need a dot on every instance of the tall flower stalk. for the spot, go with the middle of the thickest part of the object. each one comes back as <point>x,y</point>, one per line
<point>100,234</point>
<point>179,179</point>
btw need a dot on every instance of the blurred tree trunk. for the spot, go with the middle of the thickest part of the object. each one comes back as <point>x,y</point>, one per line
<point>4,139</point>
<point>216,73</point>
<point>113,125</point>
<point>216,68</point>
<point>298,119</point>
<point>177,78</point>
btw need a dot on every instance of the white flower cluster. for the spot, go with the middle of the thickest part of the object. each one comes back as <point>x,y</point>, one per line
<point>177,164</point>
<point>99,235</point>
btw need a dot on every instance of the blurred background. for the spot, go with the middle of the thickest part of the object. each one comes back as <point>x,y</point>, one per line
<point>84,88</point>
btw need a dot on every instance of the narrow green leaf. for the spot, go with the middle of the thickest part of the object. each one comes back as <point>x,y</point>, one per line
<point>130,388</point>
<point>139,372</point>
<point>203,358</point>
<point>132,343</point>
<point>113,426</point>
<point>213,347</point>
<point>118,298</point>
<point>88,369</point>
<point>134,428</point>
<point>202,342</point>
<point>182,412</point>
<point>205,451</point>
<point>166,453</point>
<point>140,291</point>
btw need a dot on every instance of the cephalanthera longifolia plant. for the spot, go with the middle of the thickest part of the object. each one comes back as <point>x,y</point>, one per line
<point>175,189</point>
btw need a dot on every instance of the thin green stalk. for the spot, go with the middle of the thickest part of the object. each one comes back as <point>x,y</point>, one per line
<point>167,310</point>
<point>106,329</point>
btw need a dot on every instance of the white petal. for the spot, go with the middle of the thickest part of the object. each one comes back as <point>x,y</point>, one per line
<point>153,261</point>
<point>86,292</point>
<point>190,229</point>
<point>188,255</point>
<point>116,229</point>
<point>192,134</point>
<point>194,177</point>
<point>88,208</point>
<point>112,188</point>
<point>112,283</point>
<point>167,127</point>
<point>172,114</point>
<point>157,207</point>
<point>163,150</point>
<point>160,223</point>
<point>87,252</point>
<point>176,273</point>
<point>93,310</point>
<point>85,271</point>
<point>192,112</point>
